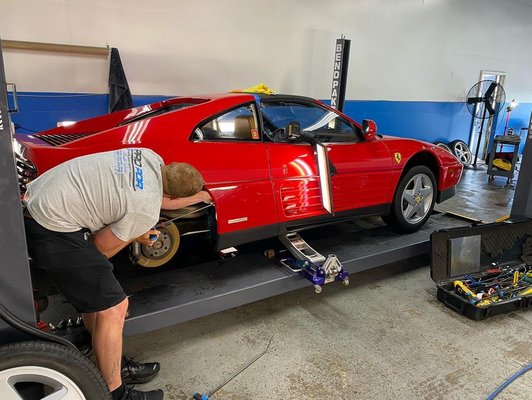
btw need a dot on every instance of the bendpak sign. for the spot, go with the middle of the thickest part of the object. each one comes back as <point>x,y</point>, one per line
<point>341,63</point>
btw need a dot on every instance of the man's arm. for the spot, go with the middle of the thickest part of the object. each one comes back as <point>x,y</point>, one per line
<point>109,244</point>
<point>174,204</point>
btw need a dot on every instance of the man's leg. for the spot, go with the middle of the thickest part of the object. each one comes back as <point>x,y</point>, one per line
<point>132,372</point>
<point>89,320</point>
<point>106,328</point>
<point>85,277</point>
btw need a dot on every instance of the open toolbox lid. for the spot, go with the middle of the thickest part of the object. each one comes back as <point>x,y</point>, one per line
<point>466,250</point>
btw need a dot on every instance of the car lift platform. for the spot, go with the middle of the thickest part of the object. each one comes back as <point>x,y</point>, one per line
<point>163,298</point>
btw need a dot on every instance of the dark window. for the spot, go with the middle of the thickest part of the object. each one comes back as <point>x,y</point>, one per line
<point>237,124</point>
<point>149,113</point>
<point>324,123</point>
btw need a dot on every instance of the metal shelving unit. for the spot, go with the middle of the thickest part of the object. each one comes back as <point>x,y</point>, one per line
<point>502,141</point>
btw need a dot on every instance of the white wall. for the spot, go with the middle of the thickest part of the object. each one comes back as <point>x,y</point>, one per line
<point>427,50</point>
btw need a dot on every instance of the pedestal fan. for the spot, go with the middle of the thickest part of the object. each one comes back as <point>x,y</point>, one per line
<point>485,98</point>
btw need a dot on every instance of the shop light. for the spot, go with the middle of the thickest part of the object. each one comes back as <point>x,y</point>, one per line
<point>509,109</point>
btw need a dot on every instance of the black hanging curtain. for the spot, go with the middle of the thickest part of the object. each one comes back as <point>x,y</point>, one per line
<point>119,94</point>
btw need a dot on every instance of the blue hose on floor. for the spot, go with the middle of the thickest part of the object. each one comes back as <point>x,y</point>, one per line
<point>507,383</point>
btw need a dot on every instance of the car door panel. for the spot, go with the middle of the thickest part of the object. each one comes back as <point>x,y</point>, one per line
<point>295,181</point>
<point>362,176</point>
<point>237,175</point>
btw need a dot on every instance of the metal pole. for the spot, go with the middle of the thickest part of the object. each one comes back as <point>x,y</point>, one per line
<point>15,283</point>
<point>522,205</point>
<point>341,64</point>
<point>479,137</point>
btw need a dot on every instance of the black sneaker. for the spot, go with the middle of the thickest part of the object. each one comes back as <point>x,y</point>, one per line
<point>132,394</point>
<point>135,373</point>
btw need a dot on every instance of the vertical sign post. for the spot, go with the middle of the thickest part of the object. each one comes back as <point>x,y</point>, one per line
<point>16,293</point>
<point>341,64</point>
<point>522,206</point>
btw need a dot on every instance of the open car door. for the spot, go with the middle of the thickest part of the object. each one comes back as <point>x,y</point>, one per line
<point>360,180</point>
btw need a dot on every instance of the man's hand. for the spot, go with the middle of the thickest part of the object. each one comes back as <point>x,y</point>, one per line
<point>204,196</point>
<point>145,239</point>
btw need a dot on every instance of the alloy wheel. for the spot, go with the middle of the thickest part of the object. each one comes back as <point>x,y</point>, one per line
<point>463,153</point>
<point>416,199</point>
<point>55,385</point>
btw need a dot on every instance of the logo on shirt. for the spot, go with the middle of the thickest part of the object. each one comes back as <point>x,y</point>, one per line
<point>137,162</point>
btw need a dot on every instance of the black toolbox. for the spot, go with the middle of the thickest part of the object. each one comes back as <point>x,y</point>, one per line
<point>472,255</point>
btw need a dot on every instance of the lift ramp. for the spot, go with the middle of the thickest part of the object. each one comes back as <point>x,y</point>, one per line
<point>164,298</point>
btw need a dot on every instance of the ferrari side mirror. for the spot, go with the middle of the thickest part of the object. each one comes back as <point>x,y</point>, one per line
<point>293,131</point>
<point>369,129</point>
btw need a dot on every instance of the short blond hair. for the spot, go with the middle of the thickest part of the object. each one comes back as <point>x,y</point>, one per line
<point>181,180</point>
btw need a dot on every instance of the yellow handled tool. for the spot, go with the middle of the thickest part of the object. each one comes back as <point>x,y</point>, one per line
<point>460,285</point>
<point>516,279</point>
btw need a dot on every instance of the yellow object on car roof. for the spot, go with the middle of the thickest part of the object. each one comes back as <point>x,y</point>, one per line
<point>260,88</point>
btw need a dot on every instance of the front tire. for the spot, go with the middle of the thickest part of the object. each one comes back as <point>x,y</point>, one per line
<point>413,201</point>
<point>37,370</point>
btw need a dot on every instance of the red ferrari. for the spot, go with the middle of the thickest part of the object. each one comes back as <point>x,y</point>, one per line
<point>272,164</point>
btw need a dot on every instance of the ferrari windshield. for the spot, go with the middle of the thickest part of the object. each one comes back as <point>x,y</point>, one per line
<point>311,117</point>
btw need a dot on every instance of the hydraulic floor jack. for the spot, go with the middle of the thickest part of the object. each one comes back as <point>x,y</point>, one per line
<point>311,264</point>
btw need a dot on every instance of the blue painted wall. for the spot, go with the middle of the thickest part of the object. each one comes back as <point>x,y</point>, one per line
<point>432,121</point>
<point>41,111</point>
<point>429,121</point>
<point>519,118</point>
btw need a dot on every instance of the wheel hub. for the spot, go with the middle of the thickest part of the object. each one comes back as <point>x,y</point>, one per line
<point>160,247</point>
<point>162,250</point>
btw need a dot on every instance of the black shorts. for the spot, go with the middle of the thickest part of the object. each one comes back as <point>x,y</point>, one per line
<point>84,275</point>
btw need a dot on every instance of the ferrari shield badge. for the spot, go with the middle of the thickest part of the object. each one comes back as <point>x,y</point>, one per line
<point>397,157</point>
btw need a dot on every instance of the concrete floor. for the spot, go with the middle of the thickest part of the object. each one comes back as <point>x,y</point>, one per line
<point>481,198</point>
<point>385,336</point>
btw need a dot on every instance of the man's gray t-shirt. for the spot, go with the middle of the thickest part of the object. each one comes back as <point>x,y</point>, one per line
<point>121,189</point>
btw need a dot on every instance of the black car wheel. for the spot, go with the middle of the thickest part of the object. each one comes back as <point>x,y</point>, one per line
<point>38,370</point>
<point>413,201</point>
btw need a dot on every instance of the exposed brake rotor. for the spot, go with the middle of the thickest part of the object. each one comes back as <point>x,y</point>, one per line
<point>163,249</point>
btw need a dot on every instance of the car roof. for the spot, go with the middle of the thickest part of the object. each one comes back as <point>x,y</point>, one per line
<point>285,97</point>
<point>262,96</point>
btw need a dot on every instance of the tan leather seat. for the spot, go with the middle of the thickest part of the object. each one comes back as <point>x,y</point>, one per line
<point>243,126</point>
